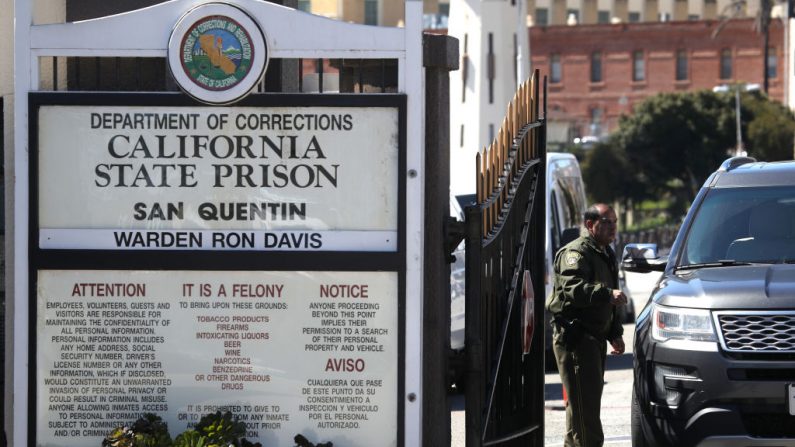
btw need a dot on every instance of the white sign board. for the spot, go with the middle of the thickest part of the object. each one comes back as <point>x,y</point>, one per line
<point>314,353</point>
<point>194,178</point>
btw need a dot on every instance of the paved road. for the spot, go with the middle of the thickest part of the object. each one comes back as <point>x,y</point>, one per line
<point>615,402</point>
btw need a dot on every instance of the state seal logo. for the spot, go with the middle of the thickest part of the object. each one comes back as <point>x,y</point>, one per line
<point>572,258</point>
<point>217,53</point>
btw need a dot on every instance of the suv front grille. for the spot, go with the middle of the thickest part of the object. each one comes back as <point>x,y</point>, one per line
<point>757,332</point>
<point>770,425</point>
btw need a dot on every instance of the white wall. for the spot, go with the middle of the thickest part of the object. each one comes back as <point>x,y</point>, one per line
<point>473,20</point>
<point>6,90</point>
<point>6,47</point>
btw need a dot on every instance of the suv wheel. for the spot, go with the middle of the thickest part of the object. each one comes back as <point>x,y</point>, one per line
<point>636,423</point>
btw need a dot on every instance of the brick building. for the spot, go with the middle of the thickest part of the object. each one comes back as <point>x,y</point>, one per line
<point>589,12</point>
<point>596,73</point>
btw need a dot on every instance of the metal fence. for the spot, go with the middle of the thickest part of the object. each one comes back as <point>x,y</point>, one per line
<point>504,268</point>
<point>150,74</point>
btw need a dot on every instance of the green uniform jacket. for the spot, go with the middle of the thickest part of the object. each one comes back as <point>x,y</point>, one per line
<point>585,276</point>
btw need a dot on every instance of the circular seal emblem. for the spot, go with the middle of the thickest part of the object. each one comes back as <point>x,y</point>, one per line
<point>217,53</point>
<point>572,258</point>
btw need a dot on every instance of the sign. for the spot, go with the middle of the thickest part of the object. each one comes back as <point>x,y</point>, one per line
<point>292,343</point>
<point>304,352</point>
<point>124,202</point>
<point>202,178</point>
<point>217,53</point>
<point>528,312</point>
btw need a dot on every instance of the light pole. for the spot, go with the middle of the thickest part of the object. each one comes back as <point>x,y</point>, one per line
<point>739,149</point>
<point>723,88</point>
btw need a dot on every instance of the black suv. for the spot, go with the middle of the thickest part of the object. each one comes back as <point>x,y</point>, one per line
<point>715,345</point>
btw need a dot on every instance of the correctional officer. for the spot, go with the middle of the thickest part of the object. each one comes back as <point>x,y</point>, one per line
<point>583,304</point>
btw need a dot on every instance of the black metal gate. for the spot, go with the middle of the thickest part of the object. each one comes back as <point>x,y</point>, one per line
<point>505,280</point>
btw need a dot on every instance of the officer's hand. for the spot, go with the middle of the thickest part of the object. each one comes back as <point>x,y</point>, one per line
<point>618,298</point>
<point>618,346</point>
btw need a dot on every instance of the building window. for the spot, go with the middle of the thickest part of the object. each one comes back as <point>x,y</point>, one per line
<point>491,132</point>
<point>542,17</point>
<point>555,71</point>
<point>725,63</point>
<point>572,16</point>
<point>772,63</point>
<point>304,5</point>
<point>515,60</point>
<point>461,138</point>
<point>596,66</point>
<point>371,12</point>
<point>464,73</point>
<point>603,16</point>
<point>596,122</point>
<point>437,20</point>
<point>693,17</point>
<point>638,66</point>
<point>681,65</point>
<point>634,17</point>
<point>491,68</point>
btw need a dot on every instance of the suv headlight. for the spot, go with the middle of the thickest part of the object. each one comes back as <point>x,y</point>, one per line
<point>682,324</point>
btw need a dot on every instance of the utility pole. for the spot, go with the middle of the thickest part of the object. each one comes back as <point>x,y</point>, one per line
<point>765,8</point>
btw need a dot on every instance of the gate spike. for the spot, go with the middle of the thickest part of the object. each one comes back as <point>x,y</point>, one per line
<point>507,139</point>
<point>526,101</point>
<point>520,106</point>
<point>509,118</point>
<point>478,177</point>
<point>494,162</point>
<point>500,166</point>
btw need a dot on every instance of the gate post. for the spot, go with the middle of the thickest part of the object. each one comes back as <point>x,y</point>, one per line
<point>440,56</point>
<point>474,348</point>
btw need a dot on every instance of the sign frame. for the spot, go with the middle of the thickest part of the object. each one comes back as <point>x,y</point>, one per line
<point>214,260</point>
<point>174,102</point>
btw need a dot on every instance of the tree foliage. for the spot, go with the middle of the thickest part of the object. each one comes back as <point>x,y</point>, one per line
<point>673,141</point>
<point>770,129</point>
<point>605,172</point>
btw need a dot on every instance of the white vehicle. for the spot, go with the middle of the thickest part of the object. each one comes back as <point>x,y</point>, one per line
<point>565,197</point>
<point>565,207</point>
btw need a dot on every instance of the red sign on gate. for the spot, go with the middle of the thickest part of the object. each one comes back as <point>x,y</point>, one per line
<point>528,312</point>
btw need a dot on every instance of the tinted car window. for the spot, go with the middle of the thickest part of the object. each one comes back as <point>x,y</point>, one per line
<point>743,224</point>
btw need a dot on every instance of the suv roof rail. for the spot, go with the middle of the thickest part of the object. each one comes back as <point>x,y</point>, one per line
<point>734,162</point>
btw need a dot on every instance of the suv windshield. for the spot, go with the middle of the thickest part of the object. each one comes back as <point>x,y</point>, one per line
<point>751,224</point>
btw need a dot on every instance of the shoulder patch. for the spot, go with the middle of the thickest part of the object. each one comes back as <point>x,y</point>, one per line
<point>571,258</point>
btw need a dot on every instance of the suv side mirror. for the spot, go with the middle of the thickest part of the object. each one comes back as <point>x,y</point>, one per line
<point>642,258</point>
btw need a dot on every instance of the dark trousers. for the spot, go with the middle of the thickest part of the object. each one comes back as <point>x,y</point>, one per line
<point>582,371</point>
